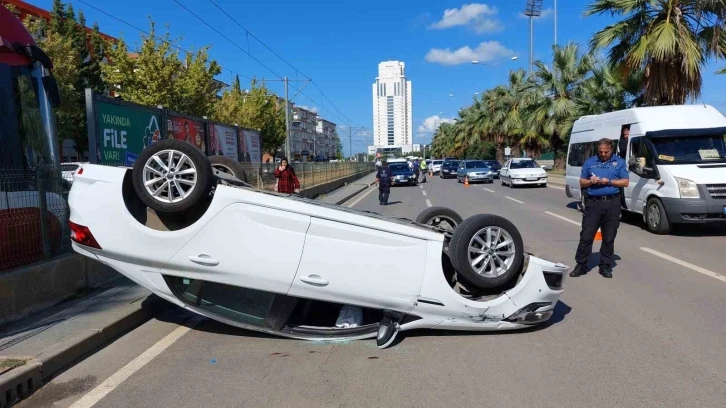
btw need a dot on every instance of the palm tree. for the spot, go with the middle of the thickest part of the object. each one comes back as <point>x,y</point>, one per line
<point>553,109</point>
<point>669,40</point>
<point>605,91</point>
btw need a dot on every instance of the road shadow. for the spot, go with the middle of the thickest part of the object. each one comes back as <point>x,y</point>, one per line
<point>394,202</point>
<point>594,261</point>
<point>561,310</point>
<point>573,205</point>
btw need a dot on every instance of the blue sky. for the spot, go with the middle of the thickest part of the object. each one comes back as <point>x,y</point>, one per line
<point>340,43</point>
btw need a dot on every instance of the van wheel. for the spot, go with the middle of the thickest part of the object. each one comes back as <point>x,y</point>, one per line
<point>656,219</point>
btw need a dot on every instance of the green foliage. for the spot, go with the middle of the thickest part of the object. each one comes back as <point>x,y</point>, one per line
<point>257,109</point>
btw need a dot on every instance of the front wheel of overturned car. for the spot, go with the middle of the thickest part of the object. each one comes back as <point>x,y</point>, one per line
<point>172,176</point>
<point>229,166</point>
<point>443,217</point>
<point>487,250</point>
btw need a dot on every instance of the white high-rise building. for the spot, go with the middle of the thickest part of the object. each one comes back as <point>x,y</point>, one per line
<point>392,110</point>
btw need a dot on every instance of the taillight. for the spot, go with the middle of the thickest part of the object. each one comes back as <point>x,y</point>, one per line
<point>82,235</point>
<point>80,171</point>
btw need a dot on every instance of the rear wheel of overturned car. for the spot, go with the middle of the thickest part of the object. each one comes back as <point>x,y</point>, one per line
<point>229,166</point>
<point>487,251</point>
<point>172,176</point>
<point>442,217</point>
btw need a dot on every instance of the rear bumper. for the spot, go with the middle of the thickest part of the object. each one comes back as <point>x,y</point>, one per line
<point>695,211</point>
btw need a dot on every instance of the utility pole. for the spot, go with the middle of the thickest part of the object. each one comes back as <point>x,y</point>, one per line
<point>350,138</point>
<point>533,9</point>
<point>555,22</point>
<point>287,123</point>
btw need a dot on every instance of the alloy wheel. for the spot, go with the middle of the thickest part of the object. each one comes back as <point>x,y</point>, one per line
<point>169,176</point>
<point>491,251</point>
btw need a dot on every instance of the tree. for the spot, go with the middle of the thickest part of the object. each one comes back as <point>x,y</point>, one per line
<point>670,41</point>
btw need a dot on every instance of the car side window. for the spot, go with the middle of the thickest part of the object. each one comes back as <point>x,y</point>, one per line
<point>639,148</point>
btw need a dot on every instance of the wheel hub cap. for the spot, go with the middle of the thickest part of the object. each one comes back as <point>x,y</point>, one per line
<point>491,251</point>
<point>169,176</point>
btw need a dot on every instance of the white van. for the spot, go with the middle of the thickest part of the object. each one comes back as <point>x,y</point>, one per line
<point>676,156</point>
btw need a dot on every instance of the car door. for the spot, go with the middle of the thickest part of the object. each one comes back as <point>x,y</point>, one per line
<point>359,265</point>
<point>504,172</point>
<point>245,245</point>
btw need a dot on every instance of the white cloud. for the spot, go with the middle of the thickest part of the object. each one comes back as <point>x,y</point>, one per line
<point>485,52</point>
<point>545,14</point>
<point>430,124</point>
<point>479,17</point>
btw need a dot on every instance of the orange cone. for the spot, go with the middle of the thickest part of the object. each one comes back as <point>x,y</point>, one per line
<point>598,235</point>
<point>466,181</point>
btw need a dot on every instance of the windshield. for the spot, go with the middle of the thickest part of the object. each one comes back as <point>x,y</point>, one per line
<point>524,164</point>
<point>476,165</point>
<point>27,125</point>
<point>398,167</point>
<point>690,150</point>
<point>451,164</point>
<point>437,162</point>
<point>492,164</point>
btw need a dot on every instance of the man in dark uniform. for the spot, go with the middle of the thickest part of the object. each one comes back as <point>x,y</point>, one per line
<point>384,178</point>
<point>601,180</point>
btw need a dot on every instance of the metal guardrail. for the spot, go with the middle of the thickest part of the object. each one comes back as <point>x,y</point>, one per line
<point>26,237</point>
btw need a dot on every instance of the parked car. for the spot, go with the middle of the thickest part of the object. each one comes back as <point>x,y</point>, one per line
<point>523,171</point>
<point>402,174</point>
<point>474,170</point>
<point>296,267</point>
<point>449,169</point>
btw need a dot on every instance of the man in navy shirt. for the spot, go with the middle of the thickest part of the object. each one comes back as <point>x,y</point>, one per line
<point>384,178</point>
<point>601,180</point>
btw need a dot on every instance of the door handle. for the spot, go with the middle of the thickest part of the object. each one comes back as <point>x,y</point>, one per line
<point>314,280</point>
<point>204,260</point>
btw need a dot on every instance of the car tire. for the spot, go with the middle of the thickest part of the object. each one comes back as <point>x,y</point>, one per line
<point>435,215</point>
<point>229,166</point>
<point>468,234</point>
<point>198,183</point>
<point>656,219</point>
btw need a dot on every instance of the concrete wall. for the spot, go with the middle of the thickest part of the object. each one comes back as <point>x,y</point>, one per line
<point>315,191</point>
<point>39,286</point>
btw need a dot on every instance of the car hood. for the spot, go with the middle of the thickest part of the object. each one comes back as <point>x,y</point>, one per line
<point>698,173</point>
<point>534,172</point>
<point>484,170</point>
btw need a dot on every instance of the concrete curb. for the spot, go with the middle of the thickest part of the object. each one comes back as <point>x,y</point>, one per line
<point>357,191</point>
<point>20,382</point>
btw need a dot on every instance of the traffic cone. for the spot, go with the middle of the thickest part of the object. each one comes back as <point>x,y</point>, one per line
<point>466,182</point>
<point>598,235</point>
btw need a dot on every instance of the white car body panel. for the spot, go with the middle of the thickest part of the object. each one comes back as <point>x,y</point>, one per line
<point>519,176</point>
<point>319,251</point>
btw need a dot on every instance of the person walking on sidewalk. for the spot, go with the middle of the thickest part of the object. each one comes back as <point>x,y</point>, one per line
<point>384,178</point>
<point>287,182</point>
<point>423,170</point>
<point>601,180</point>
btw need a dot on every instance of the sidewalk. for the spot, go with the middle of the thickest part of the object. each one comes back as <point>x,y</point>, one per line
<point>556,179</point>
<point>349,191</point>
<point>42,345</point>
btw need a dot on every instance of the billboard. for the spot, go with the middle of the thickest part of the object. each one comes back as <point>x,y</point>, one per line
<point>223,140</point>
<point>250,151</point>
<point>123,132</point>
<point>187,130</point>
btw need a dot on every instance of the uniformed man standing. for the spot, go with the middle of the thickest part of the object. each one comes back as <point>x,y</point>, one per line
<point>601,180</point>
<point>384,178</point>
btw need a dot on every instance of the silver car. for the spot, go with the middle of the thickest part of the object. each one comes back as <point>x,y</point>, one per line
<point>474,170</point>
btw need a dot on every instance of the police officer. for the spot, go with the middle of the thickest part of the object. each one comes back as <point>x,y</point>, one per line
<point>384,178</point>
<point>601,180</point>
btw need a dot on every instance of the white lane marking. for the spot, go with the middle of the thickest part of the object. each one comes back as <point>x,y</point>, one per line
<point>563,218</point>
<point>514,199</point>
<point>372,188</point>
<point>127,371</point>
<point>428,202</point>
<point>424,192</point>
<point>551,186</point>
<point>420,185</point>
<point>491,191</point>
<point>685,264</point>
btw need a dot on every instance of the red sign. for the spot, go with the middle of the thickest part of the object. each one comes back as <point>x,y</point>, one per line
<point>186,130</point>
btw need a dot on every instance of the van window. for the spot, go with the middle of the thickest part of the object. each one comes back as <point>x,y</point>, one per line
<point>579,152</point>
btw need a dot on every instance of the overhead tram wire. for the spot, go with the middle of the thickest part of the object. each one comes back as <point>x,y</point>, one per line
<point>155,37</point>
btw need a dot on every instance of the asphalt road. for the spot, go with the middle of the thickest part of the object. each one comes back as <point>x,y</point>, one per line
<point>653,336</point>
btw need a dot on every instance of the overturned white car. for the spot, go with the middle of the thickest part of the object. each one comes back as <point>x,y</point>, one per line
<point>291,266</point>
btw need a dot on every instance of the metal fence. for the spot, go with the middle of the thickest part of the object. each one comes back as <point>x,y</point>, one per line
<point>27,237</point>
<point>33,216</point>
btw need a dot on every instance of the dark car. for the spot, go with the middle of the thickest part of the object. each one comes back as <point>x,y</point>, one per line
<point>449,168</point>
<point>402,174</point>
<point>494,165</point>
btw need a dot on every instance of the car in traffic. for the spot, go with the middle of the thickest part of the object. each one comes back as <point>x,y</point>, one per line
<point>300,268</point>
<point>449,169</point>
<point>521,172</point>
<point>402,174</point>
<point>474,171</point>
<point>436,166</point>
<point>495,166</point>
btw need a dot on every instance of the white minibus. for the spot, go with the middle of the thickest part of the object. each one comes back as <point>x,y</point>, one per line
<point>676,158</point>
